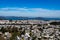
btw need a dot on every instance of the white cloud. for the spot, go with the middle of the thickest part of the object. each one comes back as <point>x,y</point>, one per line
<point>34,12</point>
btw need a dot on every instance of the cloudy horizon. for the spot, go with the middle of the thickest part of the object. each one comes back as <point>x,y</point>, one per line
<point>33,12</point>
<point>30,8</point>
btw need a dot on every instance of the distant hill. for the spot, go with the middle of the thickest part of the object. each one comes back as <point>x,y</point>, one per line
<point>26,18</point>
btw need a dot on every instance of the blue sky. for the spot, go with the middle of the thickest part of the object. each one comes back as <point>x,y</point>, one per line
<point>34,8</point>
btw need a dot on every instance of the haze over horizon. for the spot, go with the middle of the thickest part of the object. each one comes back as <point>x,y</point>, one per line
<point>30,8</point>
